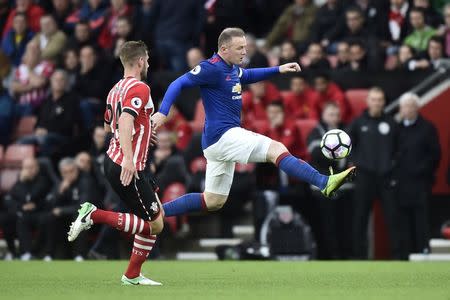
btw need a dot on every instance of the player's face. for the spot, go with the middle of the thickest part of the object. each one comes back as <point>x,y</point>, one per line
<point>145,65</point>
<point>237,49</point>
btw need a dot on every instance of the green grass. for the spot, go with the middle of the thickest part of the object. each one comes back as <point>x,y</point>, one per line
<point>228,280</point>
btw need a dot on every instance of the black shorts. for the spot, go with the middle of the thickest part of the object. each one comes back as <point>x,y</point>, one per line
<point>139,195</point>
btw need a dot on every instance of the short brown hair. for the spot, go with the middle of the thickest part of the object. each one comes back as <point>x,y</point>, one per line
<point>228,33</point>
<point>131,51</point>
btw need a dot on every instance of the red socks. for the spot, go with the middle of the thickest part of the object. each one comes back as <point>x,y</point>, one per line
<point>142,246</point>
<point>121,221</point>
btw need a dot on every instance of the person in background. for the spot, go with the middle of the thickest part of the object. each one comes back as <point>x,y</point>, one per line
<point>33,12</point>
<point>194,56</point>
<point>342,55</point>
<point>51,39</point>
<point>16,39</point>
<point>288,52</point>
<point>334,236</point>
<point>315,58</point>
<point>417,162</point>
<point>298,101</point>
<point>255,58</point>
<point>421,31</point>
<point>444,30</point>
<point>29,195</point>
<point>374,138</point>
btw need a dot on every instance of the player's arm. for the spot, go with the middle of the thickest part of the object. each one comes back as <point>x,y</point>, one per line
<point>248,76</point>
<point>126,123</point>
<point>202,75</point>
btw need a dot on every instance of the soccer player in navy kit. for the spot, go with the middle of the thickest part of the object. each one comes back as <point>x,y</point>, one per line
<point>224,141</point>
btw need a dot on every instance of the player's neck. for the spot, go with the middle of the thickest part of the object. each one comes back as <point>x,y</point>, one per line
<point>222,57</point>
<point>132,73</point>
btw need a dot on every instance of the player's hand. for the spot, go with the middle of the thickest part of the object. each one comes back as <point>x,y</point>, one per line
<point>128,171</point>
<point>290,67</point>
<point>158,119</point>
<point>153,137</point>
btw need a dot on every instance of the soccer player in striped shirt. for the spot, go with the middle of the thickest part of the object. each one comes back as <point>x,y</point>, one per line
<point>224,142</point>
<point>128,110</point>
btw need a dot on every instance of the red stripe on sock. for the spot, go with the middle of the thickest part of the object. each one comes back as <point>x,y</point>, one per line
<point>138,257</point>
<point>280,158</point>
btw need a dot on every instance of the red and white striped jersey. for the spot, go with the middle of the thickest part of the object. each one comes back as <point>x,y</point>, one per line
<point>131,96</point>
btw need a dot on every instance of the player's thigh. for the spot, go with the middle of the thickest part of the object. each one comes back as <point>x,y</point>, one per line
<point>219,177</point>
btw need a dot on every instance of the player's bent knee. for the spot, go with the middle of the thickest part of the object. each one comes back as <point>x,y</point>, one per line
<point>275,150</point>
<point>215,201</point>
<point>157,225</point>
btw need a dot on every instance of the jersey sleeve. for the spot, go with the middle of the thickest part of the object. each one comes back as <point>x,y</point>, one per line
<point>202,75</point>
<point>136,99</point>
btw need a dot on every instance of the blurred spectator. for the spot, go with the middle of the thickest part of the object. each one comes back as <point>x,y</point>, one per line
<point>58,118</point>
<point>421,32</point>
<point>294,24</point>
<point>82,36</point>
<point>418,159</point>
<point>397,21</point>
<point>372,11</point>
<point>177,124</point>
<point>334,238</point>
<point>64,202</point>
<point>142,21</point>
<point>194,56</point>
<point>325,91</point>
<point>327,16</point>
<point>99,144</point>
<point>255,100</point>
<point>71,65</point>
<point>4,11</point>
<point>374,137</point>
<point>124,33</point>
<point>254,58</point>
<point>358,57</point>
<point>30,80</point>
<point>444,30</point>
<point>282,129</point>
<point>177,27</point>
<point>33,12</point>
<point>288,52</point>
<point>90,85</point>
<point>167,164</point>
<point>342,55</point>
<point>89,170</point>
<point>405,56</point>
<point>299,99</point>
<point>119,8</point>
<point>61,9</point>
<point>16,39</point>
<point>92,11</point>
<point>431,58</point>
<point>50,39</point>
<point>315,58</point>
<point>432,17</point>
<point>28,195</point>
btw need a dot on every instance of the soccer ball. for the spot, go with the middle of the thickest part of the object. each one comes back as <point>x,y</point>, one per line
<point>336,144</point>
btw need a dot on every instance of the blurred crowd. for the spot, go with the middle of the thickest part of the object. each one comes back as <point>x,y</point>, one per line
<point>59,58</point>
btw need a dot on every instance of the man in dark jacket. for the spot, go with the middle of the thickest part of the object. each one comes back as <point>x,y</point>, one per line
<point>28,197</point>
<point>15,40</point>
<point>374,136</point>
<point>418,160</point>
<point>334,238</point>
<point>64,201</point>
<point>58,118</point>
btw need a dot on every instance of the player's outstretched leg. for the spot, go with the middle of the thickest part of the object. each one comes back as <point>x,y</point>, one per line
<point>300,169</point>
<point>188,203</point>
<point>89,214</point>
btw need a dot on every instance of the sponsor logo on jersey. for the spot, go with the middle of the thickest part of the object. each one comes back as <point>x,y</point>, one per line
<point>196,70</point>
<point>237,88</point>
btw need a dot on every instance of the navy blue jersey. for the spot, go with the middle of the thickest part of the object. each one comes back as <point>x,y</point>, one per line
<point>220,87</point>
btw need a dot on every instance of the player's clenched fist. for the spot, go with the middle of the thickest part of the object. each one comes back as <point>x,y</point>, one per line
<point>158,119</point>
<point>290,67</point>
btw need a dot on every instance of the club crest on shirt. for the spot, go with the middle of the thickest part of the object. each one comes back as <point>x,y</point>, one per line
<point>136,102</point>
<point>196,70</point>
<point>237,88</point>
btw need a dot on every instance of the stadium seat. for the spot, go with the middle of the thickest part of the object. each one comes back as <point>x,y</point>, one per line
<point>305,126</point>
<point>8,177</point>
<point>25,126</point>
<point>357,100</point>
<point>199,117</point>
<point>15,153</point>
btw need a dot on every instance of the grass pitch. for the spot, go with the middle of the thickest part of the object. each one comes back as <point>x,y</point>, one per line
<point>63,280</point>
